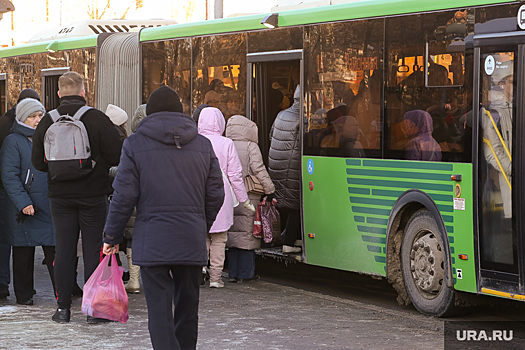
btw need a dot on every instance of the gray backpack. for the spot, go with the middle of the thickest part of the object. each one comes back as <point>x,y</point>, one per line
<point>66,147</point>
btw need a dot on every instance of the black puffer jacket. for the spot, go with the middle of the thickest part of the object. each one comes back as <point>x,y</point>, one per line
<point>177,191</point>
<point>284,164</point>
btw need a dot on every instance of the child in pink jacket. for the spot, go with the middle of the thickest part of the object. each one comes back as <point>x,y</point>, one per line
<point>212,125</point>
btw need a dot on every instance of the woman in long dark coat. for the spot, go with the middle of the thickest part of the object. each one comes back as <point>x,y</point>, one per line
<point>27,214</point>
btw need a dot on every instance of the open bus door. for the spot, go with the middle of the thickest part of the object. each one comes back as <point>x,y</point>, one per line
<point>499,90</point>
<point>272,79</point>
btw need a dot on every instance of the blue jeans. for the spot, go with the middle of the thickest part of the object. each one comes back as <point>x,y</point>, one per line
<point>5,256</point>
<point>241,263</point>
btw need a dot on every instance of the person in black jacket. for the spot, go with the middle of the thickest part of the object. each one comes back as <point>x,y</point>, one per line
<point>6,123</point>
<point>172,175</point>
<point>81,204</point>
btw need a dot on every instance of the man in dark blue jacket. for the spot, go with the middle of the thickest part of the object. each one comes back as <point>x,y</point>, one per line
<point>171,174</point>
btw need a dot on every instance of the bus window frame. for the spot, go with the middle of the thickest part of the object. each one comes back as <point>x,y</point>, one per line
<point>427,56</point>
<point>48,72</point>
<point>270,56</point>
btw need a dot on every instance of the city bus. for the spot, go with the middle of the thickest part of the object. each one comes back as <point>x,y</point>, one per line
<point>409,121</point>
<point>425,90</point>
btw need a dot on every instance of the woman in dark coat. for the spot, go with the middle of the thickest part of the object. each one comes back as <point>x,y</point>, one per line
<point>27,214</point>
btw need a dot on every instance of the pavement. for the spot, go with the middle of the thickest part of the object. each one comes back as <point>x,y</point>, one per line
<point>254,315</point>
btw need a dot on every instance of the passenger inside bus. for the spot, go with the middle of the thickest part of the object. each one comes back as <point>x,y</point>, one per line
<point>422,146</point>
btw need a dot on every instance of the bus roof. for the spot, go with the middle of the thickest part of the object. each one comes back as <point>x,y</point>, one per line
<point>331,13</point>
<point>39,47</point>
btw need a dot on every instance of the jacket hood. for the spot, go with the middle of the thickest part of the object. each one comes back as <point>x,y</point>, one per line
<point>211,122</point>
<point>240,128</point>
<point>162,126</point>
<point>422,120</point>
<point>22,129</point>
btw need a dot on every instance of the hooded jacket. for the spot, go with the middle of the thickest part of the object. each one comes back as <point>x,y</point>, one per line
<point>422,146</point>
<point>211,125</point>
<point>244,134</point>
<point>171,174</point>
<point>24,186</point>
<point>284,164</point>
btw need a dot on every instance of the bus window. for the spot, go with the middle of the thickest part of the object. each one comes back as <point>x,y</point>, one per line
<point>498,239</point>
<point>3,94</point>
<point>168,63</point>
<point>426,97</point>
<point>50,78</point>
<point>344,85</point>
<point>219,73</point>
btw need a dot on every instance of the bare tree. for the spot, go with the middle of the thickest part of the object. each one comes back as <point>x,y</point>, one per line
<point>188,10</point>
<point>100,9</point>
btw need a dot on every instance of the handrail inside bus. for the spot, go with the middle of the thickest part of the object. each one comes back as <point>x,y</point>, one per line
<point>499,135</point>
<point>499,163</point>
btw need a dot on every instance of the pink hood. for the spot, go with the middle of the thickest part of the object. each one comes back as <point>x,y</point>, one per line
<point>211,122</point>
<point>212,125</point>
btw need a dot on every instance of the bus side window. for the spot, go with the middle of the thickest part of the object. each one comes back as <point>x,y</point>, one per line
<point>424,112</point>
<point>344,82</point>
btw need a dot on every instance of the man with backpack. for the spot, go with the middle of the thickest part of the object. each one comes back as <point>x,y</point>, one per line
<point>76,146</point>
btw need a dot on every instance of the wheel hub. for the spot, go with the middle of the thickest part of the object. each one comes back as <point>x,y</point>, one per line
<point>426,264</point>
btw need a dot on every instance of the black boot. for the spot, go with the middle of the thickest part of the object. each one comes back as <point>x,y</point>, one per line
<point>62,316</point>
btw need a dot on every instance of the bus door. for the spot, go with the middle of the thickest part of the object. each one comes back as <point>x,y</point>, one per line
<point>273,77</point>
<point>272,80</point>
<point>500,163</point>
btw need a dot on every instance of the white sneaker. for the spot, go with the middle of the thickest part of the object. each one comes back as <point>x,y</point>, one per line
<point>298,243</point>
<point>217,284</point>
<point>289,249</point>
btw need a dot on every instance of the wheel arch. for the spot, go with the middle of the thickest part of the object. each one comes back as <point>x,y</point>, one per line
<point>406,205</point>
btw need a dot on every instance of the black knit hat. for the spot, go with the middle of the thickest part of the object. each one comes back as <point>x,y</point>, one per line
<point>164,99</point>
<point>28,93</point>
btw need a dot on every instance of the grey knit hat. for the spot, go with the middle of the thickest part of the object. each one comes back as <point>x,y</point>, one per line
<point>26,107</point>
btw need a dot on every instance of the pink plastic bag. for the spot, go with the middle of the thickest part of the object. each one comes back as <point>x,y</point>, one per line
<point>271,223</point>
<point>104,293</point>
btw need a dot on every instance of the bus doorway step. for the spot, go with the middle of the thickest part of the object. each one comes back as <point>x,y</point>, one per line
<point>277,253</point>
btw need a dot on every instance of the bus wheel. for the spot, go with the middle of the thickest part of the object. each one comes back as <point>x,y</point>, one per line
<point>423,266</point>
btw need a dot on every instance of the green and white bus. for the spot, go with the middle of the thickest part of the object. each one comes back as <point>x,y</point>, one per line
<point>410,120</point>
<point>433,223</point>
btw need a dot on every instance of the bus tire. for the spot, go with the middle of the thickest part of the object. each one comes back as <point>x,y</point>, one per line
<point>424,268</point>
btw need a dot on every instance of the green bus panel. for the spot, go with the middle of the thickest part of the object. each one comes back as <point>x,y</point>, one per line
<point>350,203</point>
<point>40,47</point>
<point>353,10</point>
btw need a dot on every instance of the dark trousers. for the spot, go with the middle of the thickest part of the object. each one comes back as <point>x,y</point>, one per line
<point>70,216</point>
<point>292,231</point>
<point>167,286</point>
<point>241,263</point>
<point>24,270</point>
<point>5,257</point>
